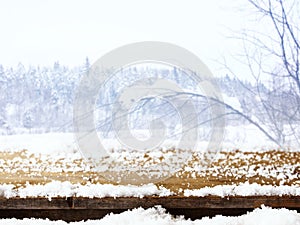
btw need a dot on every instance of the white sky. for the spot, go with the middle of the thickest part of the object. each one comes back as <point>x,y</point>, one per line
<point>37,32</point>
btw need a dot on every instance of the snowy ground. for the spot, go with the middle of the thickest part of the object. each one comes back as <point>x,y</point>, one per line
<point>158,216</point>
<point>245,138</point>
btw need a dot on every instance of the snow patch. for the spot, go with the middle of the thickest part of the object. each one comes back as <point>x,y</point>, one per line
<point>244,189</point>
<point>67,189</point>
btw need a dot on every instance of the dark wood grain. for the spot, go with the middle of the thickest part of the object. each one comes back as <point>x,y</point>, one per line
<point>79,208</point>
<point>146,202</point>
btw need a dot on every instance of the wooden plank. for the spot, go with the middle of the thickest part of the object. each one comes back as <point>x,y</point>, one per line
<point>70,215</point>
<point>67,215</point>
<point>229,168</point>
<point>173,202</point>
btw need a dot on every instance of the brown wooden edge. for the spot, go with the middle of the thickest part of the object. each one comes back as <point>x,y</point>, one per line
<point>171,202</point>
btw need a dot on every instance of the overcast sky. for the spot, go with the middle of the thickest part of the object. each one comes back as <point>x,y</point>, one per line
<point>37,32</point>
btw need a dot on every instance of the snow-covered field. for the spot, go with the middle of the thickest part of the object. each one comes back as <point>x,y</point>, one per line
<point>158,216</point>
<point>245,138</point>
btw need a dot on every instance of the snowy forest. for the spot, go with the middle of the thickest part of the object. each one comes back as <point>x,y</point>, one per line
<point>40,100</point>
